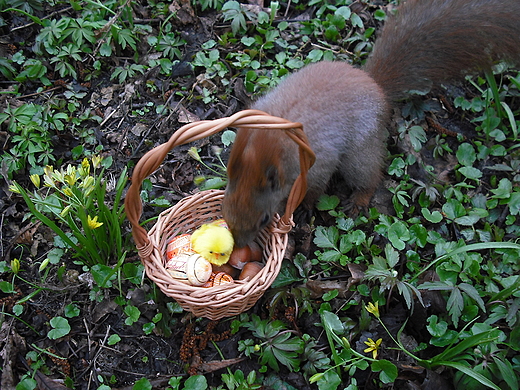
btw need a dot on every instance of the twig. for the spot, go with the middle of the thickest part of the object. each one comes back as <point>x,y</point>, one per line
<point>46,17</point>
<point>39,93</point>
<point>103,30</point>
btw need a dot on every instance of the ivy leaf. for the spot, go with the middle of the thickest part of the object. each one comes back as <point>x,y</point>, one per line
<point>388,370</point>
<point>133,314</point>
<point>329,381</point>
<point>398,233</point>
<point>60,326</point>
<point>466,154</point>
<point>196,382</point>
<point>514,203</point>
<point>433,217</point>
<point>142,384</point>
<point>71,311</point>
<point>114,339</point>
<point>228,136</point>
<point>471,173</point>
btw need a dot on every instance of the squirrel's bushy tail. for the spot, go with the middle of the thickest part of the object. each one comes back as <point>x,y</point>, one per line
<point>435,41</point>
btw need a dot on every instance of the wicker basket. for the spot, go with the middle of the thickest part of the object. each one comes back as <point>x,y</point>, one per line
<point>188,214</point>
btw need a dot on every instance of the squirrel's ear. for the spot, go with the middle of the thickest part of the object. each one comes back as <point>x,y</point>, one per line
<point>273,178</point>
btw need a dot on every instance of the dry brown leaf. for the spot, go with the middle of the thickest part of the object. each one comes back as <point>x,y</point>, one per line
<point>320,287</point>
<point>14,346</point>
<point>215,365</point>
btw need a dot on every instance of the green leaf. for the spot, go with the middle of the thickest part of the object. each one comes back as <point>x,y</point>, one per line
<point>113,339</point>
<point>455,305</point>
<point>470,372</point>
<point>27,384</point>
<point>330,380</point>
<point>446,339</point>
<point>474,294</point>
<point>196,382</point>
<point>228,137</point>
<point>469,342</point>
<point>326,203</point>
<point>332,322</point>
<point>71,310</point>
<point>466,154</point>
<point>286,276</point>
<point>436,328</point>
<point>7,287</point>
<point>392,256</point>
<point>17,310</point>
<point>388,370</point>
<point>133,314</point>
<point>514,203</point>
<point>60,326</point>
<point>326,237</point>
<point>103,274</point>
<point>142,384</point>
<point>398,233</point>
<point>508,373</point>
<point>330,295</point>
<point>471,173</point>
<point>417,137</point>
<point>468,220</point>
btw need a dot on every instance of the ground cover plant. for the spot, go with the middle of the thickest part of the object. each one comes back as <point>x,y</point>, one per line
<point>423,290</point>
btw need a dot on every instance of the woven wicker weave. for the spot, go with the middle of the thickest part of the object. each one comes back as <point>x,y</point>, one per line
<point>225,300</point>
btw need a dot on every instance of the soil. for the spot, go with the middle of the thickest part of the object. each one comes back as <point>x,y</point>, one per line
<point>181,344</point>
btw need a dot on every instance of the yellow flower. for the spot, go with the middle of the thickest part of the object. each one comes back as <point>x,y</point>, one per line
<point>93,223</point>
<point>96,161</point>
<point>71,170</point>
<point>65,211</point>
<point>373,346</point>
<point>15,266</point>
<point>14,189</point>
<point>67,191</point>
<point>44,264</point>
<point>84,169</point>
<point>70,179</point>
<point>36,180</point>
<point>48,181</point>
<point>88,185</point>
<point>48,170</point>
<point>373,308</point>
<point>58,176</point>
<point>194,154</point>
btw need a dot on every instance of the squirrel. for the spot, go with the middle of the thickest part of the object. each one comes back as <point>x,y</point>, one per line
<point>344,109</point>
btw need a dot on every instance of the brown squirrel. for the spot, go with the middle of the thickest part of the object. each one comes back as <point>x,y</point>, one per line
<point>344,109</point>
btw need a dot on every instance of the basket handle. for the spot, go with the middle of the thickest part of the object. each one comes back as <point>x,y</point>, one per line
<point>201,129</point>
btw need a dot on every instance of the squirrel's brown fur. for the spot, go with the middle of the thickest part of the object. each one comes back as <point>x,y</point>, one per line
<point>344,110</point>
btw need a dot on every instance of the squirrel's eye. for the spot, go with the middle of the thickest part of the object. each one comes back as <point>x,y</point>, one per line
<point>265,220</point>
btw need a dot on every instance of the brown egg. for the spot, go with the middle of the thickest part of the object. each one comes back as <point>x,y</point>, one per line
<point>250,270</point>
<point>239,257</point>
<point>256,251</point>
<point>228,269</point>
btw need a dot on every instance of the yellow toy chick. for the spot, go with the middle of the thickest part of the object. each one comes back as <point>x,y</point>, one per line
<point>214,242</point>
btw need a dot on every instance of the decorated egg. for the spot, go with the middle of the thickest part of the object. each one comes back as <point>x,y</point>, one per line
<point>190,268</point>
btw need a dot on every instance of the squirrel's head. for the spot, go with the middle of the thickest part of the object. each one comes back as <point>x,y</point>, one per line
<point>256,184</point>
